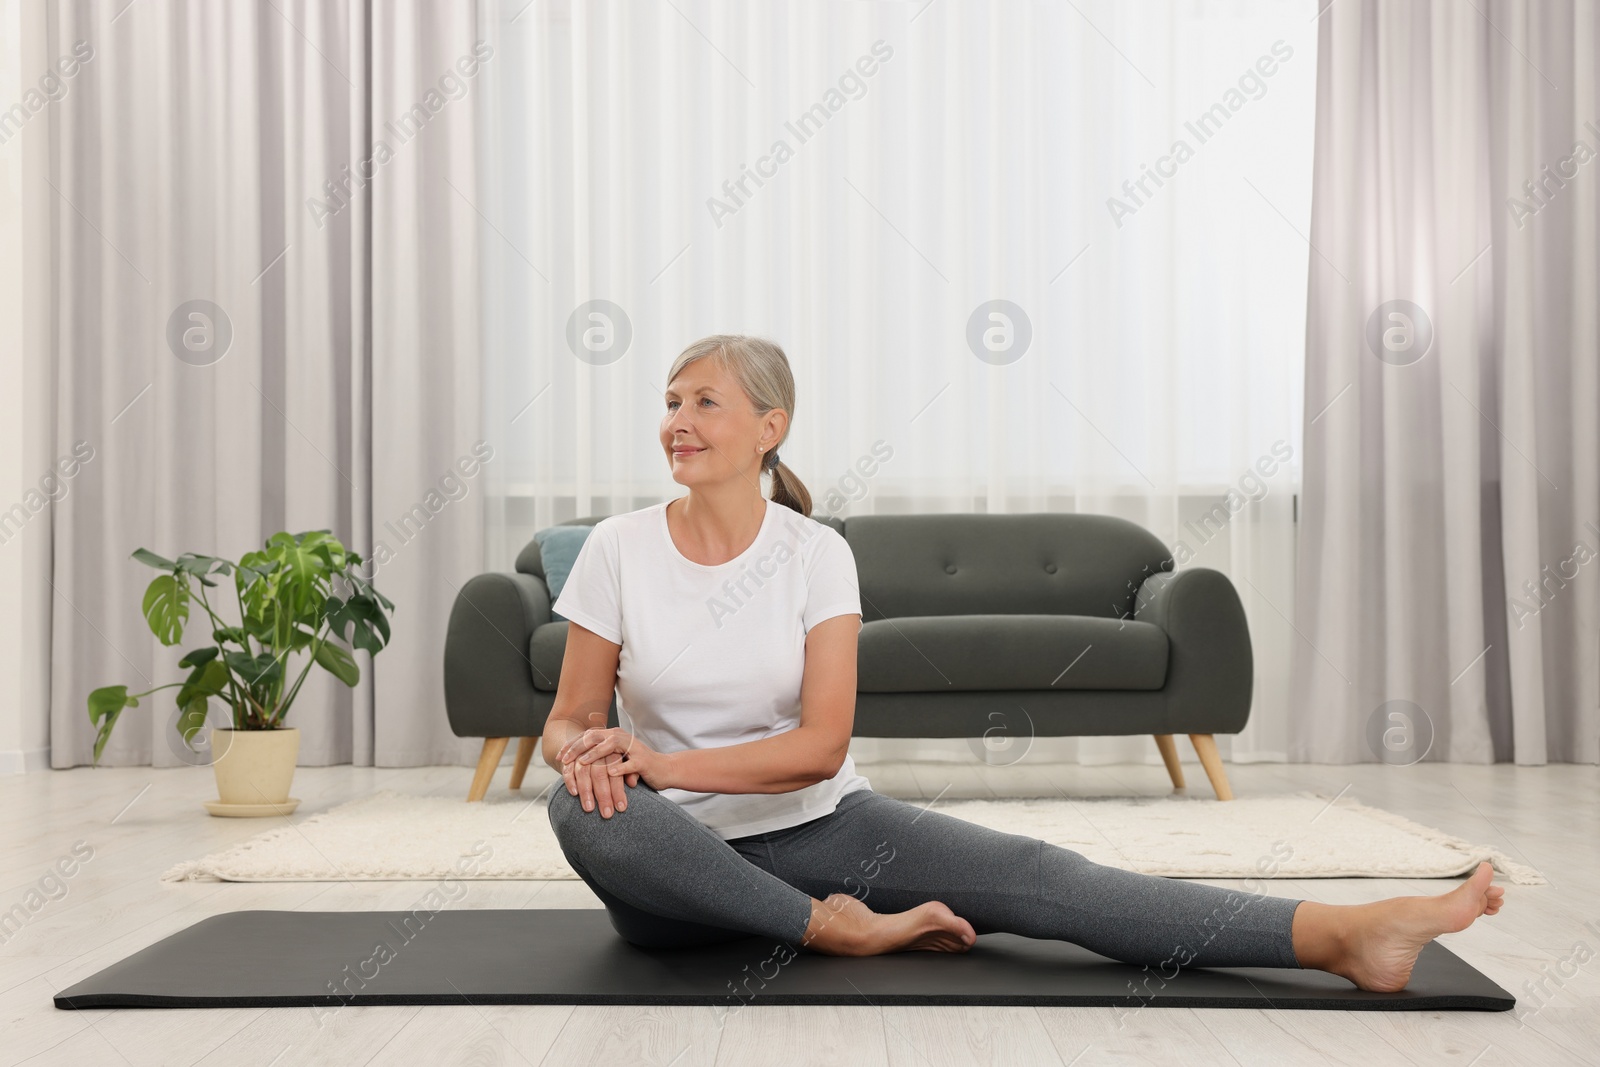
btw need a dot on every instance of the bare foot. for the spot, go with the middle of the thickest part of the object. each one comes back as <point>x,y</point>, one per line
<point>842,925</point>
<point>1384,938</point>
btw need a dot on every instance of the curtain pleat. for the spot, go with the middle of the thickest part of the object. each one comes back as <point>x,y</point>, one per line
<point>229,153</point>
<point>1451,523</point>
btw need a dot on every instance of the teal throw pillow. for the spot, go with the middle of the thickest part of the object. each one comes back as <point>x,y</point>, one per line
<point>558,550</point>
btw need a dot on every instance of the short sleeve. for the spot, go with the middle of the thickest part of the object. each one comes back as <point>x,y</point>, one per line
<point>832,587</point>
<point>592,595</point>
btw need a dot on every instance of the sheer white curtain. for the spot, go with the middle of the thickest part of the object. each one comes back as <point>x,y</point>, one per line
<point>859,182</point>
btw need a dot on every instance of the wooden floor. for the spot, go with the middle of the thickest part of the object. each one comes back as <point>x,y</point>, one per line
<point>139,822</point>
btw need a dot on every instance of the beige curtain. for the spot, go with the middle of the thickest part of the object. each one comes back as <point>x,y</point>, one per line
<point>1447,594</point>
<point>285,171</point>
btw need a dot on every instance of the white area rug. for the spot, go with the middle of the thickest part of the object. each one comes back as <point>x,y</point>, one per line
<point>389,836</point>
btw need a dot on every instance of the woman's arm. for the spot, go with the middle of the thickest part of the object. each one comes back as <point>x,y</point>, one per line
<point>583,699</point>
<point>812,752</point>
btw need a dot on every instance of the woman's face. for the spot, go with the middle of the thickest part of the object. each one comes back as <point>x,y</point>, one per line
<point>710,430</point>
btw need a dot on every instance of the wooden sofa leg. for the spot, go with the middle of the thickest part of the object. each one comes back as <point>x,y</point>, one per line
<point>1169,756</point>
<point>525,748</point>
<point>1206,748</point>
<point>488,760</point>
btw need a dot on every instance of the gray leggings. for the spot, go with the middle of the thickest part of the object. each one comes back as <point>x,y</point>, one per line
<point>667,881</point>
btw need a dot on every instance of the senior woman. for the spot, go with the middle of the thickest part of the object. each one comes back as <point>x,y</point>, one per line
<point>727,803</point>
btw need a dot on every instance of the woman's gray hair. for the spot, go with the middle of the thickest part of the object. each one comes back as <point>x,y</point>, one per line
<point>762,371</point>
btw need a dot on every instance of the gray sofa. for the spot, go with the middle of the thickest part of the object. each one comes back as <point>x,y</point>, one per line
<point>976,626</point>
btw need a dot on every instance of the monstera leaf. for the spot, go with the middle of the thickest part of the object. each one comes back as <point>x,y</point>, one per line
<point>288,595</point>
<point>166,607</point>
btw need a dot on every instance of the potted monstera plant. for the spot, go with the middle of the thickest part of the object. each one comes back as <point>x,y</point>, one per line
<point>301,594</point>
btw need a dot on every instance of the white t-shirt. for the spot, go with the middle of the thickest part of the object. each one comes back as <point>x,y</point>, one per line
<point>714,656</point>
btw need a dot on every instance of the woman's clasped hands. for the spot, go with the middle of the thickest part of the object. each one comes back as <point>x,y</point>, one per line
<point>597,762</point>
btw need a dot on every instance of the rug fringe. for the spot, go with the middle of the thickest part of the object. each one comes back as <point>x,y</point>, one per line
<point>198,870</point>
<point>189,871</point>
<point>1519,873</point>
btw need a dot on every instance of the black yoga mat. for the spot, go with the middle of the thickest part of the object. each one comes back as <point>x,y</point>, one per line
<point>328,959</point>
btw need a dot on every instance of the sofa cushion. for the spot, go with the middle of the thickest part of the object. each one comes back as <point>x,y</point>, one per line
<point>940,653</point>
<point>963,564</point>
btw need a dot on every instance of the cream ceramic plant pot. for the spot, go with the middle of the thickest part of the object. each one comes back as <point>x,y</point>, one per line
<point>254,769</point>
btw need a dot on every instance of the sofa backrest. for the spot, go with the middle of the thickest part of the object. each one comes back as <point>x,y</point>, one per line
<point>1038,563</point>
<point>530,561</point>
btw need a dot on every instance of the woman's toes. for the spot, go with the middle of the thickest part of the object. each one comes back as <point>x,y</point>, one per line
<point>1470,899</point>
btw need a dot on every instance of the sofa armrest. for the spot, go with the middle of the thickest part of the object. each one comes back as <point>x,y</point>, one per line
<point>488,677</point>
<point>1210,666</point>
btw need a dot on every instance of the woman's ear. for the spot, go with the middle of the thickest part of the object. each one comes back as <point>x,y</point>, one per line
<point>777,423</point>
